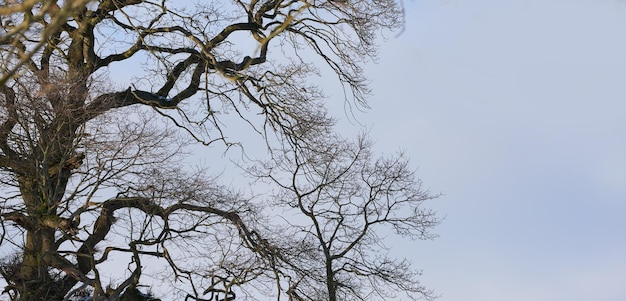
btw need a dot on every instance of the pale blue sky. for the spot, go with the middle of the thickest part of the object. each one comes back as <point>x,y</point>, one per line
<point>516,111</point>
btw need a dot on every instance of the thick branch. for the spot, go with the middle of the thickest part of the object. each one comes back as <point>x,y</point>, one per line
<point>108,6</point>
<point>223,35</point>
<point>9,158</point>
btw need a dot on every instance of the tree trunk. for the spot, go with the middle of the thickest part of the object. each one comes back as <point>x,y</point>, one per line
<point>32,278</point>
<point>331,284</point>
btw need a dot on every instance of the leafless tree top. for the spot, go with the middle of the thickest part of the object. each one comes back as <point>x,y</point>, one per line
<point>91,164</point>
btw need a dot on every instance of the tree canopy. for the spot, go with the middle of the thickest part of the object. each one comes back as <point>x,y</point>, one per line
<point>91,165</point>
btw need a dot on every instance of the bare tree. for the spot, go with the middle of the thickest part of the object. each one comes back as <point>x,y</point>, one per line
<point>63,238</point>
<point>341,200</point>
<point>91,168</point>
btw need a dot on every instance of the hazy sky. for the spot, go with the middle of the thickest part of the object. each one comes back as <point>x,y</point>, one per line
<point>516,111</point>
